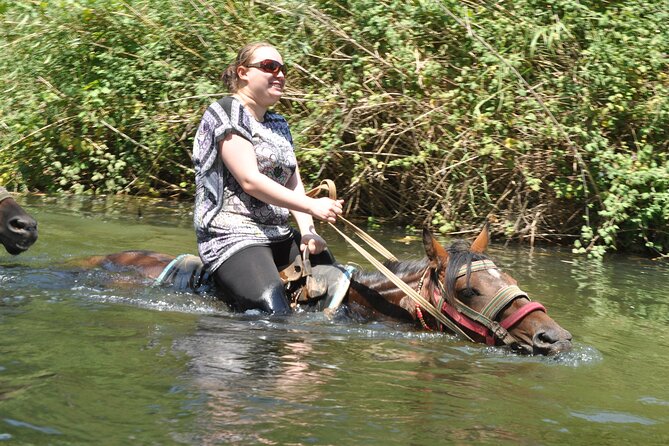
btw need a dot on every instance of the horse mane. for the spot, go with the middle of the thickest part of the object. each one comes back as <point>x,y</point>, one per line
<point>399,268</point>
<point>459,255</point>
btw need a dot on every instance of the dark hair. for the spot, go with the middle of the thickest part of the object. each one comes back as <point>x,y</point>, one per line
<point>229,76</point>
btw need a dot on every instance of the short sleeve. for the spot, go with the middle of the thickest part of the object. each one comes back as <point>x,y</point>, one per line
<point>233,119</point>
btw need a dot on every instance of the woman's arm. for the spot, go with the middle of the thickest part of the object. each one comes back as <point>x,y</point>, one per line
<point>310,239</point>
<point>239,157</point>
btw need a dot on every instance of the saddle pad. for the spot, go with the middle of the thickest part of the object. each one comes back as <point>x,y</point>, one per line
<point>185,273</point>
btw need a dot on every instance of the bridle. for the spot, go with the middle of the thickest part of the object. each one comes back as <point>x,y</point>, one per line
<point>484,322</point>
<point>457,317</point>
<point>4,194</point>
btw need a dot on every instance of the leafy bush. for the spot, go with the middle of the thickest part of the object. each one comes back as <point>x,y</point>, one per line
<point>548,117</point>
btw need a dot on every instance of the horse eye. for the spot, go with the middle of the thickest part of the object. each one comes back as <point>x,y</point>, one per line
<point>468,293</point>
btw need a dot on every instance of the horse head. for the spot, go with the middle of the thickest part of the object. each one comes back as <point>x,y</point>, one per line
<point>18,230</point>
<point>487,302</point>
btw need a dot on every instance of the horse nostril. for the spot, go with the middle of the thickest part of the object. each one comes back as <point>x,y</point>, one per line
<point>22,224</point>
<point>551,341</point>
<point>545,337</point>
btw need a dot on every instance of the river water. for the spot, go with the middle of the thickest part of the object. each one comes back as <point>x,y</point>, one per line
<point>86,362</point>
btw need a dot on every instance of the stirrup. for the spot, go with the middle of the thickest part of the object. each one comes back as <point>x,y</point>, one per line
<point>337,291</point>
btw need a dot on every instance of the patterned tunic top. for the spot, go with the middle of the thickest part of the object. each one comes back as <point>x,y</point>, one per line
<point>226,218</point>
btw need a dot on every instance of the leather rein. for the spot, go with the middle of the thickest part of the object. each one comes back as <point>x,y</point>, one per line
<point>482,323</point>
<point>460,318</point>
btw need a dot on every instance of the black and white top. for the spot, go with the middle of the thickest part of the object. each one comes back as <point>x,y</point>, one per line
<point>226,218</point>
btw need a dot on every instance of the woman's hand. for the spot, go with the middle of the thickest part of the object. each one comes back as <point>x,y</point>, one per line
<point>312,242</point>
<point>326,209</point>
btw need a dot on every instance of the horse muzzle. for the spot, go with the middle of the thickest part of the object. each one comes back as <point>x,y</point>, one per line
<point>550,341</point>
<point>21,234</point>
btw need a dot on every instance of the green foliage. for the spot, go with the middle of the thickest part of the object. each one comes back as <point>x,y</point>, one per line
<point>548,117</point>
<point>372,223</point>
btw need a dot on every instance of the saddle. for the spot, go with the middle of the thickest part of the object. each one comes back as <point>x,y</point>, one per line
<point>325,285</point>
<point>300,283</point>
<point>322,285</point>
<point>186,273</point>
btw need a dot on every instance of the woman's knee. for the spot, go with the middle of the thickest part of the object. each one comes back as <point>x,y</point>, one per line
<point>242,292</point>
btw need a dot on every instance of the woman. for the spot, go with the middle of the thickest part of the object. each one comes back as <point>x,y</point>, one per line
<point>247,182</point>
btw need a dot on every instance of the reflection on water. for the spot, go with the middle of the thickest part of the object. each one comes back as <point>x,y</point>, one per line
<point>611,417</point>
<point>92,357</point>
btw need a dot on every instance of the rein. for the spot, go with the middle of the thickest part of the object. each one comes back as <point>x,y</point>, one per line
<point>329,186</point>
<point>461,317</point>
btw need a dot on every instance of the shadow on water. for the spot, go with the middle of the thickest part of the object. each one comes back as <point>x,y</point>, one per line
<point>98,357</point>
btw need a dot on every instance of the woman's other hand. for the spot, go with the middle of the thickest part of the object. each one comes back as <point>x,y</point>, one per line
<point>312,242</point>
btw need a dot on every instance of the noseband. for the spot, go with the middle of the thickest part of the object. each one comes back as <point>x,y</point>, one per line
<point>482,323</point>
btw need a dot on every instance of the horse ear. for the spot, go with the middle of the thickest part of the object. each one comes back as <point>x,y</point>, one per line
<point>436,253</point>
<point>481,242</point>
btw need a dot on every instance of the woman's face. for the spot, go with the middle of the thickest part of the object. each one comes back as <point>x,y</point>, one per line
<point>266,88</point>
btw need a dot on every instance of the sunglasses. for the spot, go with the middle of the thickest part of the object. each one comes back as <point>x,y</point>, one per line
<point>269,66</point>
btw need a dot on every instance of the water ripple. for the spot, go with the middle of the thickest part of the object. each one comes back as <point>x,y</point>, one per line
<point>46,430</point>
<point>613,417</point>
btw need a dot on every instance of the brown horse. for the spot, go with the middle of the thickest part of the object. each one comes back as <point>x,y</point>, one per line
<point>18,230</point>
<point>477,300</point>
<point>480,301</point>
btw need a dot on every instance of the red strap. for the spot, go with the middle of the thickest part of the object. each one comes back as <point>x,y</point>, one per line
<point>481,329</point>
<point>468,323</point>
<point>521,313</point>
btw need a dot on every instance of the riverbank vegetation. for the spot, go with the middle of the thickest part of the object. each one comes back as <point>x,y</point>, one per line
<point>548,117</point>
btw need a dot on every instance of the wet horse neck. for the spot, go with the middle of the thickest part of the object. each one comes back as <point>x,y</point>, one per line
<point>378,296</point>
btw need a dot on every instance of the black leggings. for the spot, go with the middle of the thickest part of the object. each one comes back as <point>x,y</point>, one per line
<point>250,278</point>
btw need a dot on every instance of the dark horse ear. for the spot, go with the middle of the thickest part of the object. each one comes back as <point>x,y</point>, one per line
<point>481,242</point>
<point>436,253</point>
